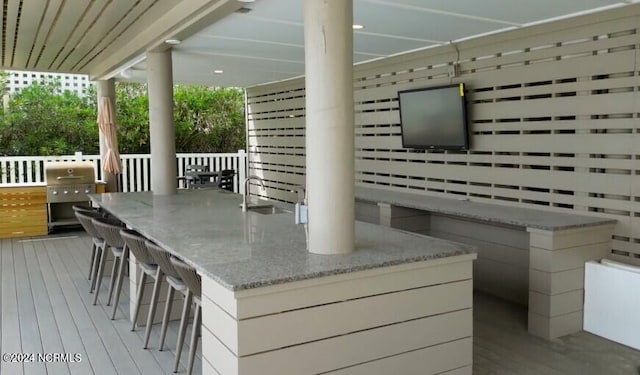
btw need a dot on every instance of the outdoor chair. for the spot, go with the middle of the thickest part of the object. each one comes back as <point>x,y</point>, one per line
<point>161,256</point>
<point>138,246</point>
<point>98,244</point>
<point>109,229</point>
<point>194,292</point>
<point>225,179</point>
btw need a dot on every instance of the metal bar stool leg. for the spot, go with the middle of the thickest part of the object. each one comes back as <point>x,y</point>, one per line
<point>103,260</point>
<point>123,264</point>
<point>95,265</point>
<point>165,316</point>
<point>183,328</point>
<point>112,281</point>
<point>194,337</point>
<point>93,258</point>
<point>138,300</point>
<point>152,307</point>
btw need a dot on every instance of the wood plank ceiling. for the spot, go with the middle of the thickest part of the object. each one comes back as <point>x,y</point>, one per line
<point>68,36</point>
<point>82,36</point>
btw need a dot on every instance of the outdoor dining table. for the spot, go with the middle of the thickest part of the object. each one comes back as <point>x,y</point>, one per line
<point>198,178</point>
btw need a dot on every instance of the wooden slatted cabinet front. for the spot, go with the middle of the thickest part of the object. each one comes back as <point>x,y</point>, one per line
<point>23,211</point>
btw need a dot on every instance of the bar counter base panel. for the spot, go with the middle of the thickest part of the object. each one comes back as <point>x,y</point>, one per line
<point>531,257</point>
<point>413,318</point>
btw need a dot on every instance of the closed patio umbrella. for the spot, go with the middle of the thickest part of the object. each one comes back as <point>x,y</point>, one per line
<point>111,160</point>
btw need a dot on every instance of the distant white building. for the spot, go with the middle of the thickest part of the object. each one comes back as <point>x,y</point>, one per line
<point>17,80</point>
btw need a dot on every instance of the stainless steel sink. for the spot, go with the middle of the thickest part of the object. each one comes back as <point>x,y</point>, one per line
<point>268,210</point>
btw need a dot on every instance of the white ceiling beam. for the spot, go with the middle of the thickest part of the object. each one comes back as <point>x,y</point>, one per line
<point>261,41</point>
<point>440,12</point>
<point>244,57</point>
<point>400,37</point>
<point>250,17</point>
<point>577,14</point>
<point>181,22</point>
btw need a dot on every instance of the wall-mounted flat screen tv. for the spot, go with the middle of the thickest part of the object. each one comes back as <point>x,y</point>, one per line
<point>434,118</point>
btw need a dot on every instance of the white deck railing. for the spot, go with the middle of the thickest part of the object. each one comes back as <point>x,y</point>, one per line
<point>136,174</point>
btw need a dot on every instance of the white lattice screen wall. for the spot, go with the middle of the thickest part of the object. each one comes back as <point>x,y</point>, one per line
<point>554,123</point>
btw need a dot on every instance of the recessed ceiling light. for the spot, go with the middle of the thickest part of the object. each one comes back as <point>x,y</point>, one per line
<point>218,71</point>
<point>172,42</point>
<point>358,27</point>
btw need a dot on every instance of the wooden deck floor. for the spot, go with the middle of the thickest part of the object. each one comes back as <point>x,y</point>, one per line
<point>501,345</point>
<point>46,308</point>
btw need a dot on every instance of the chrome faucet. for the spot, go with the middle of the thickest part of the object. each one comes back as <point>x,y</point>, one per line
<point>299,190</point>
<point>301,214</point>
<point>245,200</point>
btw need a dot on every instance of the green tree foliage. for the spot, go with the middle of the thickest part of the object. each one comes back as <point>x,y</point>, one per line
<point>4,82</point>
<point>209,119</point>
<point>44,120</point>
<point>132,117</point>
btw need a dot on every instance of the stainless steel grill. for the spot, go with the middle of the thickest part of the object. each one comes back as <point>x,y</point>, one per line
<point>68,183</point>
<point>69,193</point>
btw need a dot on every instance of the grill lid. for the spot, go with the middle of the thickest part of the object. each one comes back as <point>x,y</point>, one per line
<point>69,173</point>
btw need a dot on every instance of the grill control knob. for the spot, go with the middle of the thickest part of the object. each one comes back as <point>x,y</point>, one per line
<point>86,191</point>
<point>77,191</point>
<point>65,192</point>
<point>55,193</point>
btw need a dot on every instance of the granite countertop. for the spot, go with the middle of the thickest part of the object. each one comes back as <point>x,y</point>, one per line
<point>242,250</point>
<point>495,213</point>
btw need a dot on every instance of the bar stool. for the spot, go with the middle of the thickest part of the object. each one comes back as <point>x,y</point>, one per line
<point>137,245</point>
<point>161,256</point>
<point>81,207</point>
<point>85,218</point>
<point>84,208</point>
<point>109,229</point>
<point>194,292</point>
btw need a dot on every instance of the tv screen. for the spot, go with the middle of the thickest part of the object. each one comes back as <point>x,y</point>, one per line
<point>434,118</point>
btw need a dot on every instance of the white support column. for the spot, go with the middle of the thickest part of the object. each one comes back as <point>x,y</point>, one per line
<point>107,88</point>
<point>328,40</point>
<point>162,129</point>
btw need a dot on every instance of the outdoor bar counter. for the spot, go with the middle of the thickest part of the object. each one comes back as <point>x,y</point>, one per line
<point>401,303</point>
<point>533,257</point>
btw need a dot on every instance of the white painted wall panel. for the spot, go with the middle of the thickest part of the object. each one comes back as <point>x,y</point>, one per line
<point>553,115</point>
